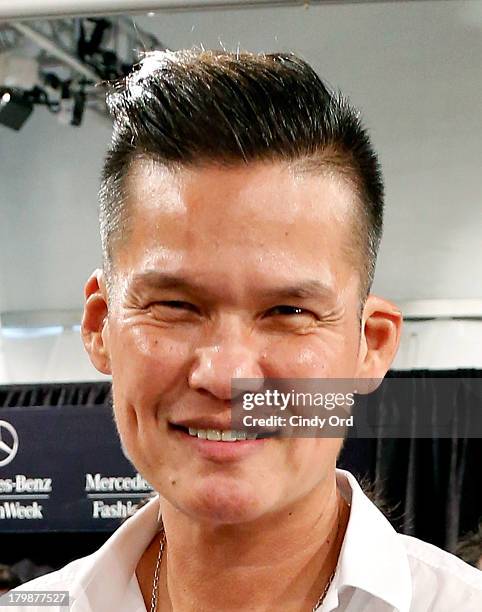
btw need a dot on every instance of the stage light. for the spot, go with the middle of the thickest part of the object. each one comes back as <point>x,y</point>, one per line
<point>15,108</point>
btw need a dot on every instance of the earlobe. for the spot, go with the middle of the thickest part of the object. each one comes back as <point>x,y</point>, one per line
<point>94,328</point>
<point>380,337</point>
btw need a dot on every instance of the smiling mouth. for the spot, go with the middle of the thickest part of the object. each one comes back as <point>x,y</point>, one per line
<point>223,435</point>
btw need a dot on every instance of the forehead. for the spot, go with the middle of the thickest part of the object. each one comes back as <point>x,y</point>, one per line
<point>256,216</point>
<point>304,184</point>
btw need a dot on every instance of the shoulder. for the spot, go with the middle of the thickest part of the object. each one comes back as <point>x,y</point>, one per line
<point>64,576</point>
<point>441,581</point>
<point>63,579</point>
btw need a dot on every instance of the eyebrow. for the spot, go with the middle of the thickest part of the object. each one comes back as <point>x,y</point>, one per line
<point>302,290</point>
<point>307,289</point>
<point>163,280</point>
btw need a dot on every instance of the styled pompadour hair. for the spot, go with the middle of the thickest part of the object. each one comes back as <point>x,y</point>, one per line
<point>196,107</point>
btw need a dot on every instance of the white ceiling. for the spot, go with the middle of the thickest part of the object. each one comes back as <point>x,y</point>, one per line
<point>413,68</point>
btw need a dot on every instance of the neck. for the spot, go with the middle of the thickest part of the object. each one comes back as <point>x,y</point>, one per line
<point>280,561</point>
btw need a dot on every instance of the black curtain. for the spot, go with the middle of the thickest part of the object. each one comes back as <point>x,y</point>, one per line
<point>431,487</point>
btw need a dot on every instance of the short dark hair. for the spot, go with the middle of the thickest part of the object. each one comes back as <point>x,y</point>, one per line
<point>8,578</point>
<point>469,548</point>
<point>191,107</point>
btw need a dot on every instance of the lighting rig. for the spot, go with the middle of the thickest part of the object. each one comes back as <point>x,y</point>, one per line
<point>61,65</point>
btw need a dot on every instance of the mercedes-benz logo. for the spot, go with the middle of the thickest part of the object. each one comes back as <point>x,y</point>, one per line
<point>8,443</point>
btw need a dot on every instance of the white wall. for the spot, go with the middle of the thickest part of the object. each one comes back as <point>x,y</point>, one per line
<point>440,345</point>
<point>46,358</point>
<point>412,67</point>
<point>49,240</point>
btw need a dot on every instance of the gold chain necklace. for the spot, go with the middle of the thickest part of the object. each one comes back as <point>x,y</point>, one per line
<point>157,571</point>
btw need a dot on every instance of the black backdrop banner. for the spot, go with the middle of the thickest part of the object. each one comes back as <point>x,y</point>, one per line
<point>63,468</point>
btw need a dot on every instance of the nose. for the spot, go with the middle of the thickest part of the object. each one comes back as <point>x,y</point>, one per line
<point>229,353</point>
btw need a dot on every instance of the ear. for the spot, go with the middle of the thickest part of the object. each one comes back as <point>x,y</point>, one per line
<point>94,328</point>
<point>379,338</point>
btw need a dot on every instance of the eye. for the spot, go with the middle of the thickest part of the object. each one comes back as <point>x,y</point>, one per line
<point>285,310</point>
<point>173,305</point>
<point>178,305</point>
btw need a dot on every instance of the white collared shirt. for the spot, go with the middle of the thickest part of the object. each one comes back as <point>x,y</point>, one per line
<point>378,569</point>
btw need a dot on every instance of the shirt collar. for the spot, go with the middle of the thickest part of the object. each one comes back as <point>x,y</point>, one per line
<point>372,556</point>
<point>95,589</point>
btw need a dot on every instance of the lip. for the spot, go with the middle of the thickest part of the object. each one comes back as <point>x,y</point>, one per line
<point>205,423</point>
<point>219,451</point>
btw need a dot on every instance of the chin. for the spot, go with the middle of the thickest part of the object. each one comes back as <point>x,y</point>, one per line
<point>224,502</point>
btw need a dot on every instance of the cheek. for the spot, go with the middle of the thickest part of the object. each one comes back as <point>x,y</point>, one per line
<point>146,354</point>
<point>148,369</point>
<point>311,357</point>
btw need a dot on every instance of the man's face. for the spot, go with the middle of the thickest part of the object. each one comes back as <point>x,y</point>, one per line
<point>239,272</point>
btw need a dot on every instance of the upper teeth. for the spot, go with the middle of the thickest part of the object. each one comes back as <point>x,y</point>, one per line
<point>226,435</point>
